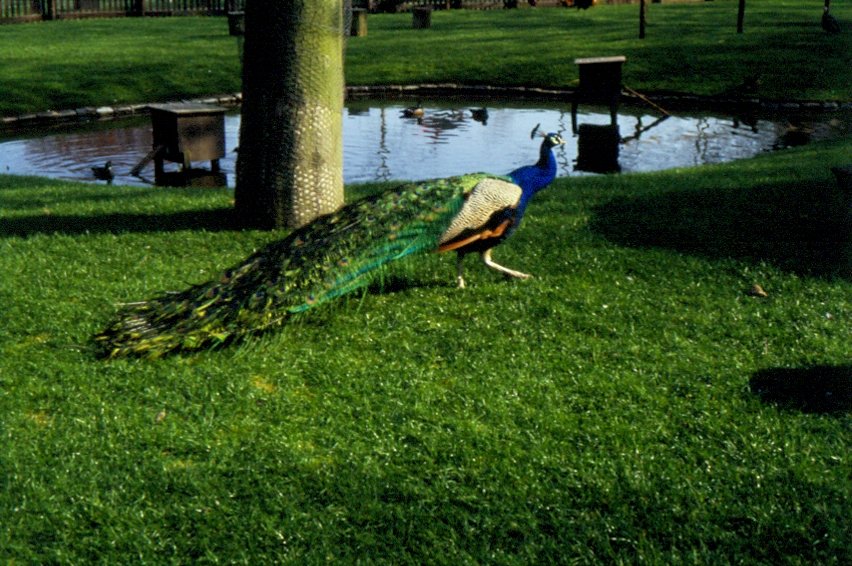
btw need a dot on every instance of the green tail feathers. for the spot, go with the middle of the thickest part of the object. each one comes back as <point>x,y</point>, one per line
<point>331,256</point>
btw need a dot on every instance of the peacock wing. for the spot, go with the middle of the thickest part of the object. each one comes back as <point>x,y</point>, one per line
<point>346,250</point>
<point>487,213</point>
<point>343,251</point>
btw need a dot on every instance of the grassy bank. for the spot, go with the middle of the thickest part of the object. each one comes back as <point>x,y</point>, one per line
<point>690,48</point>
<point>630,403</point>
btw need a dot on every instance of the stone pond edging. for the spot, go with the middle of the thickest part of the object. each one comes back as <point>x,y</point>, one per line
<point>673,100</point>
<point>89,113</point>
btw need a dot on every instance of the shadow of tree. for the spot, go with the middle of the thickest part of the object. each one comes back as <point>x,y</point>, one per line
<point>800,227</point>
<point>211,220</point>
<point>819,389</point>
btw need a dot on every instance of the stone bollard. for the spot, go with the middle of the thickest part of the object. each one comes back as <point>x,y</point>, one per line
<point>422,17</point>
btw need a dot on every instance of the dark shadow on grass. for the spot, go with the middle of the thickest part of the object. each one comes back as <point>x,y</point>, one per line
<point>211,220</point>
<point>799,227</point>
<point>819,389</point>
<point>38,200</point>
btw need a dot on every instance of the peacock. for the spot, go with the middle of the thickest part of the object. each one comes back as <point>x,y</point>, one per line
<point>335,255</point>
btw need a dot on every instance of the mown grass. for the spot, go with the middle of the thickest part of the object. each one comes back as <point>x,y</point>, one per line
<point>72,64</point>
<point>689,48</point>
<point>631,403</point>
<point>628,404</point>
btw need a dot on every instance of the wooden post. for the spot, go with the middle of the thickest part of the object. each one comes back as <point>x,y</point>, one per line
<point>236,24</point>
<point>643,10</point>
<point>740,16</point>
<point>359,23</point>
<point>50,13</point>
<point>422,17</point>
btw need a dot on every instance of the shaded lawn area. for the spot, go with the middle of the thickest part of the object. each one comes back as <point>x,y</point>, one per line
<point>798,221</point>
<point>630,403</point>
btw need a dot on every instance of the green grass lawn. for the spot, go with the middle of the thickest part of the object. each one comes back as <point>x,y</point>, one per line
<point>605,411</point>
<point>631,403</point>
<point>690,48</point>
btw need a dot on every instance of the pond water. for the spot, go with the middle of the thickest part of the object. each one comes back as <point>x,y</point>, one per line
<point>380,143</point>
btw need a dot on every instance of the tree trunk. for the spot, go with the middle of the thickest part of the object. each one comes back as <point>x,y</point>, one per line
<point>290,162</point>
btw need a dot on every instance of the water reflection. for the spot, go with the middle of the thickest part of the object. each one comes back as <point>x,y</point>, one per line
<point>451,137</point>
<point>597,148</point>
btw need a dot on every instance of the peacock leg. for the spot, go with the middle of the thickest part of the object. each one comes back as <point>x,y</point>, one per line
<point>460,270</point>
<point>486,257</point>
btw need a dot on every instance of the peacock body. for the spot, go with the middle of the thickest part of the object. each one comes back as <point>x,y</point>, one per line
<point>332,256</point>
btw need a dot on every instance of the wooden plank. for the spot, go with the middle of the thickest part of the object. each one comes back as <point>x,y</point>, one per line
<point>600,60</point>
<point>146,160</point>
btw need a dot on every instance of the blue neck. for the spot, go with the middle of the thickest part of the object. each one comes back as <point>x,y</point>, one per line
<point>533,178</point>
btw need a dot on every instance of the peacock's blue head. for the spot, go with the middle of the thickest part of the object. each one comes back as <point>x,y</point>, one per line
<point>550,140</point>
<point>553,139</point>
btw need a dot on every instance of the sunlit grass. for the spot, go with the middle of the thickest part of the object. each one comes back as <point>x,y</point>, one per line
<point>690,48</point>
<point>603,411</point>
<point>629,404</point>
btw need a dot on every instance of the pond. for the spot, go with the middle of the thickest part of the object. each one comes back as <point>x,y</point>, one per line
<point>452,137</point>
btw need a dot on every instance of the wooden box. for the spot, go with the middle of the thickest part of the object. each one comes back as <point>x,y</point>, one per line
<point>600,79</point>
<point>188,132</point>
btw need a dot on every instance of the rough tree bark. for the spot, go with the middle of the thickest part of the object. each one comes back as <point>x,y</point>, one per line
<point>290,162</point>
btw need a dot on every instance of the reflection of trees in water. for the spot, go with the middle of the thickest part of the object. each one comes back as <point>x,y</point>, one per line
<point>562,159</point>
<point>639,129</point>
<point>81,147</point>
<point>446,134</point>
<point>73,154</point>
<point>383,172</point>
<point>702,140</point>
